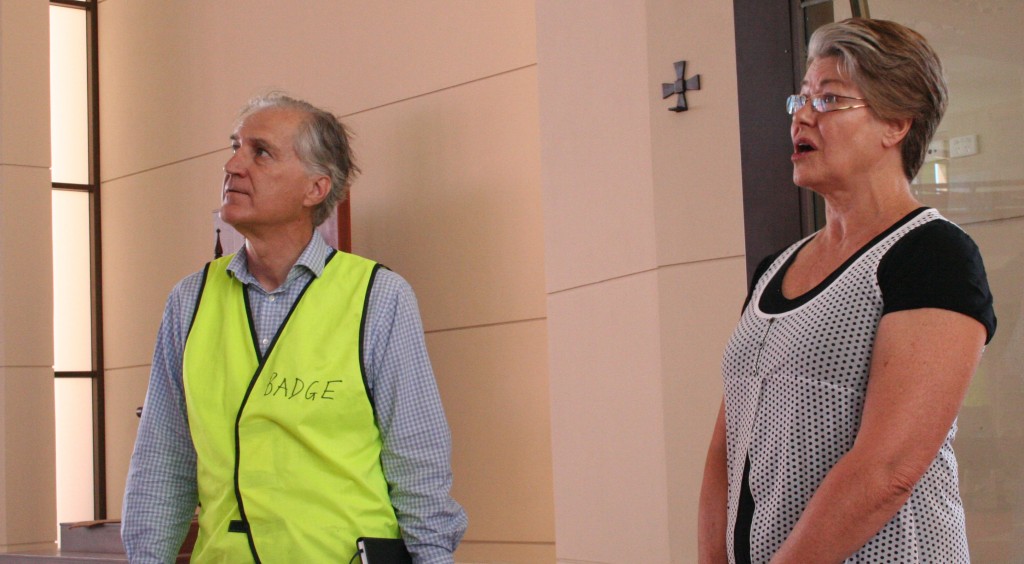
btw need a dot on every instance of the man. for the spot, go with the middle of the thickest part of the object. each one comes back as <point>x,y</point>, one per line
<point>291,395</point>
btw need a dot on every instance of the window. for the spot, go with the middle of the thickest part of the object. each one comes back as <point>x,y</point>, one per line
<point>78,350</point>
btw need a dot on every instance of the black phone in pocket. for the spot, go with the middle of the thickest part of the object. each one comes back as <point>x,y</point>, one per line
<point>382,551</point>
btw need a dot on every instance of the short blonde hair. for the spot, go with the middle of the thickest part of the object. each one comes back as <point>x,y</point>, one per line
<point>898,73</point>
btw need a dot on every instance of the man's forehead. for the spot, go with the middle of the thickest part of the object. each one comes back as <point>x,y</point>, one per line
<point>270,124</point>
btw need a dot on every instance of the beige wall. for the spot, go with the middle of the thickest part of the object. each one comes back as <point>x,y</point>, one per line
<point>442,98</point>
<point>27,477</point>
<point>575,247</point>
<point>644,262</point>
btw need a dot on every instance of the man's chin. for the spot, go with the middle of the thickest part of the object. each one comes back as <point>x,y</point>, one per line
<point>229,213</point>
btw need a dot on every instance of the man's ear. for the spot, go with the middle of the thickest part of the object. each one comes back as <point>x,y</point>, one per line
<point>896,130</point>
<point>318,191</point>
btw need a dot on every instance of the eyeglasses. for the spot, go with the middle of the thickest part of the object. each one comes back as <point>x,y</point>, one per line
<point>821,104</point>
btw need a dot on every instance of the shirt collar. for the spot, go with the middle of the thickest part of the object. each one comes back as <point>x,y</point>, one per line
<point>312,259</point>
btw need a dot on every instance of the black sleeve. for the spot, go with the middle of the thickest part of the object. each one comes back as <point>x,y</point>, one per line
<point>937,265</point>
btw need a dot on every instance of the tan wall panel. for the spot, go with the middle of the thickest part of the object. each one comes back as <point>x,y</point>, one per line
<point>696,153</point>
<point>28,511</point>
<point>173,71</point>
<point>24,83</point>
<point>631,402</point>
<point>28,489</point>
<point>595,137</point>
<point>700,305</point>
<point>157,228</point>
<point>607,429</point>
<point>125,392</point>
<point>493,382</point>
<point>470,552</point>
<point>450,199</point>
<point>26,268</point>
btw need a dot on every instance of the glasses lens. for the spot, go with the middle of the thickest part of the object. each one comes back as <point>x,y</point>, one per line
<point>794,103</point>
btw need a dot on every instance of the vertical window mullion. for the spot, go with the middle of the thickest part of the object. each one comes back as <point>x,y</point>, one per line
<point>98,382</point>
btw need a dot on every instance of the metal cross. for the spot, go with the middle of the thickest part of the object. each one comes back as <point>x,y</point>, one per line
<point>680,86</point>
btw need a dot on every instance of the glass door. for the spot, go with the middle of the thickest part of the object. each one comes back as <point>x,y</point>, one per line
<point>974,175</point>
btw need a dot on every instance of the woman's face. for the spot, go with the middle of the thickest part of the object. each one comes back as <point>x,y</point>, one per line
<point>833,150</point>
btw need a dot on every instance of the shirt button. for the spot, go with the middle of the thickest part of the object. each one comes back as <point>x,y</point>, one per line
<point>273,298</point>
<point>265,341</point>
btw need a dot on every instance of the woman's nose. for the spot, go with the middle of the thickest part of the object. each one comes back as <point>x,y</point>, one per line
<point>805,113</point>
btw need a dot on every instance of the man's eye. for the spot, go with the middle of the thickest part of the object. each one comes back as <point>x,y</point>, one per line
<point>261,152</point>
<point>234,148</point>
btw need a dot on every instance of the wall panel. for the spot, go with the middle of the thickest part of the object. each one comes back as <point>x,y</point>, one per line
<point>494,384</point>
<point>450,199</point>
<point>174,72</point>
<point>27,469</point>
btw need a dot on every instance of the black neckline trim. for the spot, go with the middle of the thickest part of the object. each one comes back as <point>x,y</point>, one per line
<point>773,301</point>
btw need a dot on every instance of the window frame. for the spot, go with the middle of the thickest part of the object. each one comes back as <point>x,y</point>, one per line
<point>776,212</point>
<point>96,374</point>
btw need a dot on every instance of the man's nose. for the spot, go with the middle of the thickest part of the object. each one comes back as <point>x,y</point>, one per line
<point>234,164</point>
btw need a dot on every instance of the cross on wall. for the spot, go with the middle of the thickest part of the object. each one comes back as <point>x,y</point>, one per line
<point>679,87</point>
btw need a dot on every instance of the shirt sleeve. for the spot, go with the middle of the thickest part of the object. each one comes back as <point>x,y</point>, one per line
<point>160,493</point>
<point>937,265</point>
<point>416,452</point>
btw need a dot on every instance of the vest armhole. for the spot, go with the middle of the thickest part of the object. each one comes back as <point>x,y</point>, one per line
<point>362,339</point>
<point>199,298</point>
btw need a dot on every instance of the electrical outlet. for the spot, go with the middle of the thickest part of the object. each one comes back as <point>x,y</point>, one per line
<point>936,150</point>
<point>963,146</point>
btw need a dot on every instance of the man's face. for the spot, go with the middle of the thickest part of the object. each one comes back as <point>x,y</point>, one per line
<point>266,185</point>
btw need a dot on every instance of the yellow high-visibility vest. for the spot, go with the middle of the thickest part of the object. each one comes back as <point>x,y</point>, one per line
<point>288,449</point>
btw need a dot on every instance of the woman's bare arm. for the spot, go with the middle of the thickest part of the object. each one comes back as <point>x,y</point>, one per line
<point>922,363</point>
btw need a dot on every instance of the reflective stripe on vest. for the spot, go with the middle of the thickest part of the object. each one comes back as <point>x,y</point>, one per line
<point>288,450</point>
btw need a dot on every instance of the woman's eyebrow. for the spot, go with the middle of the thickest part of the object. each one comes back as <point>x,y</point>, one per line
<point>826,82</point>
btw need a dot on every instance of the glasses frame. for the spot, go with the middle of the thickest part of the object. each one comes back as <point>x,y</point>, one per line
<point>796,102</point>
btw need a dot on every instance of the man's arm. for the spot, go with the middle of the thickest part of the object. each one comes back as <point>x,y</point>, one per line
<point>160,495</point>
<point>416,454</point>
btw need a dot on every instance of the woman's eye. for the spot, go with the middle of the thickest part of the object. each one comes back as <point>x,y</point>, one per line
<point>829,99</point>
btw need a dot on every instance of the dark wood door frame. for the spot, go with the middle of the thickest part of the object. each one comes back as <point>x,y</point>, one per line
<point>769,49</point>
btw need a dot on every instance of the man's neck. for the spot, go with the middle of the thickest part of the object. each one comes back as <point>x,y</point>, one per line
<point>271,257</point>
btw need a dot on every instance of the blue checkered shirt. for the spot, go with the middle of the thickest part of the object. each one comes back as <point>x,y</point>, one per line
<point>160,495</point>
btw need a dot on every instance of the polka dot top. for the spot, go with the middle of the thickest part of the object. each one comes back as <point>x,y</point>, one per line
<point>796,375</point>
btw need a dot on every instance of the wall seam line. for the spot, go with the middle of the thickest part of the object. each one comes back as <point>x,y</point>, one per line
<point>640,272</point>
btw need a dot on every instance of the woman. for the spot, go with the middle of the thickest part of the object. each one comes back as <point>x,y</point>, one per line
<point>856,345</point>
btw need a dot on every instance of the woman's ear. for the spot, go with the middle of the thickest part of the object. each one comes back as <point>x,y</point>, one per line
<point>896,130</point>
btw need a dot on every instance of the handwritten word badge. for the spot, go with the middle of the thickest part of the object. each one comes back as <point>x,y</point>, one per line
<point>291,388</point>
